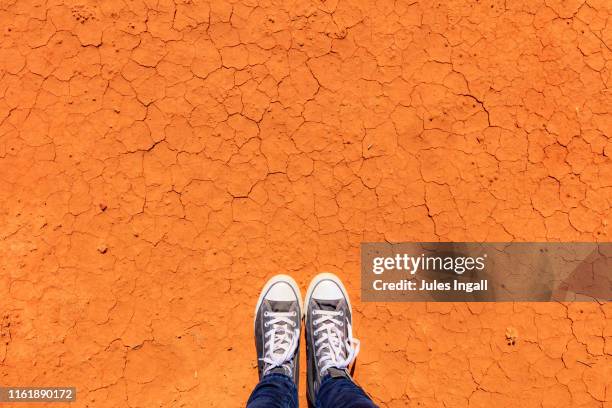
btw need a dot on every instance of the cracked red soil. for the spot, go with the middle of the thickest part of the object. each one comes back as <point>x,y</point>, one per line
<point>160,159</point>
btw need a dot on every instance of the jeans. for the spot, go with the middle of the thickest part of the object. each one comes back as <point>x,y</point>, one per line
<point>279,391</point>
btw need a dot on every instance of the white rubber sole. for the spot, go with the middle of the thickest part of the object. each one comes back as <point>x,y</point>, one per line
<point>279,278</point>
<point>326,276</point>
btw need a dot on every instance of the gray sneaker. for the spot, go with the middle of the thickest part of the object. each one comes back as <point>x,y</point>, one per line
<point>330,346</point>
<point>278,317</point>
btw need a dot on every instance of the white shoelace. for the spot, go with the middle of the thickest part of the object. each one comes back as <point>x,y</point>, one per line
<point>280,341</point>
<point>332,351</point>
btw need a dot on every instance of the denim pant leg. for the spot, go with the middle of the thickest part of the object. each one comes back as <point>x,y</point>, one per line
<point>274,391</point>
<point>342,392</point>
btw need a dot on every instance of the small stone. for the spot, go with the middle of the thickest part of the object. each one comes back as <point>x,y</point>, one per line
<point>103,207</point>
<point>102,249</point>
<point>511,336</point>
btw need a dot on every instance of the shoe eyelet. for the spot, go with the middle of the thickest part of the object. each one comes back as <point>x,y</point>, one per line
<point>342,313</point>
<point>294,313</point>
<point>266,314</point>
<point>341,324</point>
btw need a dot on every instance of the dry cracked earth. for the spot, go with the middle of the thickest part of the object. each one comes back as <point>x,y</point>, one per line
<point>159,160</point>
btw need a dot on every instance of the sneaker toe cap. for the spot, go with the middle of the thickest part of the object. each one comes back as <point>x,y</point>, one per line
<point>327,290</point>
<point>281,292</point>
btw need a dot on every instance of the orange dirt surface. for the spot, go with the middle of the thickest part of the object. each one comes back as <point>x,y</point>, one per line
<point>159,160</point>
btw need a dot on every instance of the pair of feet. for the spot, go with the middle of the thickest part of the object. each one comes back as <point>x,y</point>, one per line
<point>327,313</point>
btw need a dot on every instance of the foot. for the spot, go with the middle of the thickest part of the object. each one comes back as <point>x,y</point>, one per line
<point>330,346</point>
<point>278,317</point>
